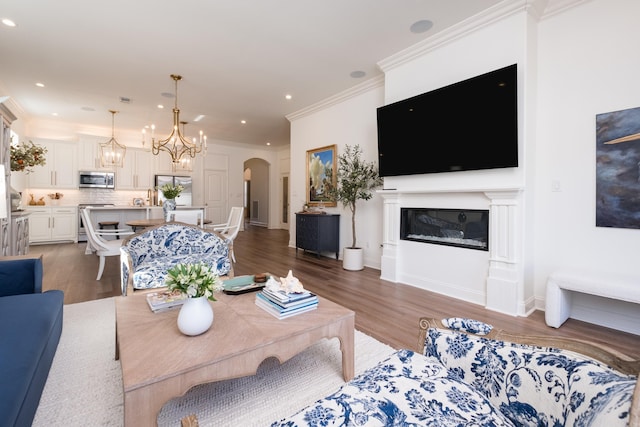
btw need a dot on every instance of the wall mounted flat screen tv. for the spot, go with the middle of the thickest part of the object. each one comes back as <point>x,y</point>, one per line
<point>469,125</point>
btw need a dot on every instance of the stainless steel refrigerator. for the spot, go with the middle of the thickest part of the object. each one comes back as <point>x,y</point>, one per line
<point>185,198</point>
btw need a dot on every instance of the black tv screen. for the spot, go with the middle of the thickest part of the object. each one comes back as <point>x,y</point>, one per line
<point>469,125</point>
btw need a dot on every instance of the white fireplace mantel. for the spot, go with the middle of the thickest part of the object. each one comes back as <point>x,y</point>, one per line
<point>504,281</point>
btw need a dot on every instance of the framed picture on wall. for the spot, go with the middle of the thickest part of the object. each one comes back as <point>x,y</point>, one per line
<point>321,175</point>
<point>618,169</point>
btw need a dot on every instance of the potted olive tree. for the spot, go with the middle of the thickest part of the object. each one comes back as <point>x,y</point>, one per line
<point>356,181</point>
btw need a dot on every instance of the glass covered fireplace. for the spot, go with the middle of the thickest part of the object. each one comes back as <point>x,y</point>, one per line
<point>466,228</point>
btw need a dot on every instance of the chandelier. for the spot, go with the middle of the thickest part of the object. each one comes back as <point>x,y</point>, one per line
<point>184,164</point>
<point>112,152</point>
<point>176,144</point>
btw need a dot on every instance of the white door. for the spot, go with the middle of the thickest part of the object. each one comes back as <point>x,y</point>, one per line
<point>215,195</point>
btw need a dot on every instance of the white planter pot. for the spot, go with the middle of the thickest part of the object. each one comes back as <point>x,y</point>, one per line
<point>195,317</point>
<point>353,259</point>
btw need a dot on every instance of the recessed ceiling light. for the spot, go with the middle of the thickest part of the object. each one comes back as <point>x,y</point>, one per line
<point>358,74</point>
<point>125,100</point>
<point>421,26</point>
<point>40,84</point>
<point>167,95</point>
<point>288,97</point>
<point>268,143</point>
<point>160,106</point>
<point>88,109</point>
<point>8,22</point>
<point>244,122</point>
<point>54,114</point>
<point>198,118</point>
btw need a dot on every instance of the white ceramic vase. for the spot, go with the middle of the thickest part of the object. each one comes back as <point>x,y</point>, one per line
<point>195,317</point>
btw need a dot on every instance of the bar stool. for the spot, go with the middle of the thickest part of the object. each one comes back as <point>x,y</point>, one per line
<point>113,224</point>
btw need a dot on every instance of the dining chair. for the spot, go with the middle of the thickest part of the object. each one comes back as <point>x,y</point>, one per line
<point>188,216</point>
<point>98,244</point>
<point>230,228</point>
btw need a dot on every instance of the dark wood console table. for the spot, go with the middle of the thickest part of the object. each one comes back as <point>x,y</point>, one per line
<point>318,232</point>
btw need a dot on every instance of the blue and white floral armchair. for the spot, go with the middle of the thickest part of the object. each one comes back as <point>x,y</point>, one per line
<point>468,374</point>
<point>146,257</point>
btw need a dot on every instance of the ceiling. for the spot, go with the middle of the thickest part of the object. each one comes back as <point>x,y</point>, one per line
<point>237,58</point>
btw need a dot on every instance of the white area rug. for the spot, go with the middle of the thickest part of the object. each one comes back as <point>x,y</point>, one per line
<point>84,387</point>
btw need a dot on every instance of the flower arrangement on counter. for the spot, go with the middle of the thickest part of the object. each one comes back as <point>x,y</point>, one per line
<point>26,155</point>
<point>193,280</point>
<point>55,196</point>
<point>170,191</point>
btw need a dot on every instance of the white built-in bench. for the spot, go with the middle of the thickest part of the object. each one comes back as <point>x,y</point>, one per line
<point>561,286</point>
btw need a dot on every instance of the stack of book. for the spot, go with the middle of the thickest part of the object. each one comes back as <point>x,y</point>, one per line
<point>163,301</point>
<point>281,304</point>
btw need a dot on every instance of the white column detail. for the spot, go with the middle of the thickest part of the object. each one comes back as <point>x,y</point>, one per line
<point>390,236</point>
<point>505,279</point>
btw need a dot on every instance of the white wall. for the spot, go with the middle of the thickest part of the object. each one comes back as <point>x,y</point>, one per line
<point>457,271</point>
<point>588,64</point>
<point>236,155</point>
<point>573,65</point>
<point>349,122</point>
<point>433,267</point>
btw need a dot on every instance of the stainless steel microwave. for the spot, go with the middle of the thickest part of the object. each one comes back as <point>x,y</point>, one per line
<point>96,180</point>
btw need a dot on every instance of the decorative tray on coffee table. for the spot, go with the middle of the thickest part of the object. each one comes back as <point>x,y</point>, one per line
<point>243,284</point>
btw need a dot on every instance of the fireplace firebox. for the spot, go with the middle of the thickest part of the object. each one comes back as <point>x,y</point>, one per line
<point>465,228</point>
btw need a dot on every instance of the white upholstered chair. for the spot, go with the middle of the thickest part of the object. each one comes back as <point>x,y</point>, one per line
<point>98,244</point>
<point>230,228</point>
<point>188,216</point>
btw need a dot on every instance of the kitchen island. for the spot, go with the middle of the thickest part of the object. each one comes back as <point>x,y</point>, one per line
<point>124,214</point>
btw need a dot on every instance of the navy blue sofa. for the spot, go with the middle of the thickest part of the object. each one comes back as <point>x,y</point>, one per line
<point>31,325</point>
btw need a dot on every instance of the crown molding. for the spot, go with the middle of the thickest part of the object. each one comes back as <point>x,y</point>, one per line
<point>486,17</point>
<point>555,7</point>
<point>539,9</point>
<point>6,113</point>
<point>354,91</point>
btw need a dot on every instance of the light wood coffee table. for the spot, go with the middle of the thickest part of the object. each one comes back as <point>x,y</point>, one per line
<point>160,363</point>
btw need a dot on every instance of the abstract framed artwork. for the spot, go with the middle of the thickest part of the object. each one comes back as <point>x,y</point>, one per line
<point>321,175</point>
<point>618,169</point>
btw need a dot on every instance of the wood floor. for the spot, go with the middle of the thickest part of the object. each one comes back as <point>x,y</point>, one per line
<point>387,311</point>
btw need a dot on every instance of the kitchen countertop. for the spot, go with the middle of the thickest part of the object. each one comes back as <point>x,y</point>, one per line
<point>105,208</point>
<point>119,207</point>
<point>19,213</point>
<point>35,207</point>
<point>27,207</point>
<point>123,207</point>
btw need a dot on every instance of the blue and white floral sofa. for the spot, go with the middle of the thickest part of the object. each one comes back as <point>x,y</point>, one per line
<point>146,257</point>
<point>469,374</point>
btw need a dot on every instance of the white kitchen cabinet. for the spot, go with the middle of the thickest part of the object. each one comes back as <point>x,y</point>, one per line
<point>60,170</point>
<point>39,224</point>
<point>89,154</point>
<point>137,172</point>
<point>53,224</point>
<point>164,165</point>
